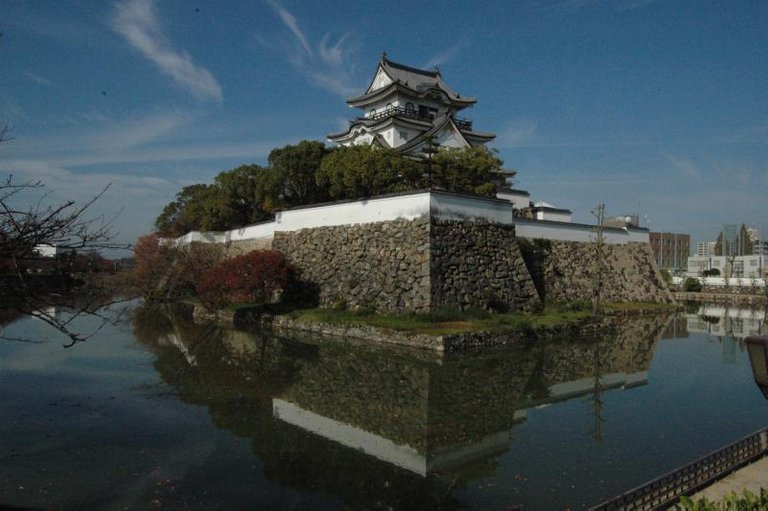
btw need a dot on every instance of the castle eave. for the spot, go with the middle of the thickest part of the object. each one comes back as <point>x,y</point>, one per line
<point>369,98</point>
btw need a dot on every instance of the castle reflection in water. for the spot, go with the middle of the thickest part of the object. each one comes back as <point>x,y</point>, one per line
<point>421,412</point>
<point>317,411</point>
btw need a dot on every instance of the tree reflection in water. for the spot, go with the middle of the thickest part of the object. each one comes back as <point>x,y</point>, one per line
<point>381,427</point>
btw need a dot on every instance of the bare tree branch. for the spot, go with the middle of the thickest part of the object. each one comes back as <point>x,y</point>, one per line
<point>65,226</point>
<point>62,225</point>
<point>5,131</point>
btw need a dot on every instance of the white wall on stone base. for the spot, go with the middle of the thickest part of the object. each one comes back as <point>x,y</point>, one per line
<point>382,209</point>
<point>567,231</point>
<point>456,207</point>
<point>410,206</point>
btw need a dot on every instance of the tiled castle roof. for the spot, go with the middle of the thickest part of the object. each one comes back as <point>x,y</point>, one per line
<point>417,82</point>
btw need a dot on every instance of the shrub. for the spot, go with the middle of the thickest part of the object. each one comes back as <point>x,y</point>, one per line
<point>692,285</point>
<point>732,501</point>
<point>666,276</point>
<point>153,262</point>
<point>166,271</point>
<point>254,277</point>
<point>714,272</point>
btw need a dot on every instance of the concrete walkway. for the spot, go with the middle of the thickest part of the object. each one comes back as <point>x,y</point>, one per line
<point>752,477</point>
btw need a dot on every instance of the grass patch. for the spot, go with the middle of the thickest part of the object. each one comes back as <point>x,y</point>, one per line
<point>443,322</point>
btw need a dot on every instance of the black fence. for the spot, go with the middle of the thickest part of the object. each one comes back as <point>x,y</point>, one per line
<point>667,489</point>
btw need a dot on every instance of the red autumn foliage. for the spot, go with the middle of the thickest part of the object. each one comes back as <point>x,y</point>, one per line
<point>166,271</point>
<point>250,278</point>
<point>153,260</point>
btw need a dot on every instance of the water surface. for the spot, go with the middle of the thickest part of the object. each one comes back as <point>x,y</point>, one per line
<point>157,412</point>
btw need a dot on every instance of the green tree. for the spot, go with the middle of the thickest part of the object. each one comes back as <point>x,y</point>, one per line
<point>185,213</point>
<point>244,195</point>
<point>295,167</point>
<point>308,172</point>
<point>247,194</point>
<point>361,171</point>
<point>475,170</point>
<point>357,171</point>
<point>237,197</point>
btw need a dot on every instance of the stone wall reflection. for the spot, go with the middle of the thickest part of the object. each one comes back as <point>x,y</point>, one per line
<point>378,426</point>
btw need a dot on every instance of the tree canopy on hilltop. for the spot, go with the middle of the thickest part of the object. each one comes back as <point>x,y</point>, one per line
<point>362,171</point>
<point>309,173</point>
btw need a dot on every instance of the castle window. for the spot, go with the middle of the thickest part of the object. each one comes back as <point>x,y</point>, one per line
<point>409,108</point>
<point>403,135</point>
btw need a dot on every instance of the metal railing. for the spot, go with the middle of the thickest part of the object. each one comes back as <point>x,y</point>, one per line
<point>667,489</point>
<point>462,124</point>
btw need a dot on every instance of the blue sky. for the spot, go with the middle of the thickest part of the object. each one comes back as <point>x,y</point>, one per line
<point>656,107</point>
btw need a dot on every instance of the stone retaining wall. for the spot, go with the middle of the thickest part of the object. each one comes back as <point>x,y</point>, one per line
<point>564,272</point>
<point>478,265</point>
<point>423,265</point>
<point>384,265</point>
<point>240,247</point>
<point>412,265</point>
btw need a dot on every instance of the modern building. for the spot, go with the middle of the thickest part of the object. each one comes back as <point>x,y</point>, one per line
<point>622,221</point>
<point>759,247</point>
<point>749,266</point>
<point>705,248</point>
<point>410,109</point>
<point>670,250</point>
<point>733,241</point>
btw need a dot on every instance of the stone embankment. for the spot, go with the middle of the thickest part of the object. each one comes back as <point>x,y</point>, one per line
<point>478,265</point>
<point>722,298</point>
<point>439,343</point>
<point>427,250</point>
<point>412,265</point>
<point>384,265</point>
<point>566,271</point>
<point>590,327</point>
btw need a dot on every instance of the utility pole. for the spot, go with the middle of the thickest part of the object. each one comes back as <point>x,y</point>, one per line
<point>429,150</point>
<point>599,263</point>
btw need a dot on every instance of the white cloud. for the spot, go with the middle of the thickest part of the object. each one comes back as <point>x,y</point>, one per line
<point>137,22</point>
<point>289,20</point>
<point>684,166</point>
<point>145,158</point>
<point>143,130</point>
<point>329,65</point>
<point>566,7</point>
<point>447,55</point>
<point>754,134</point>
<point>518,132</point>
<point>38,79</point>
<point>721,173</point>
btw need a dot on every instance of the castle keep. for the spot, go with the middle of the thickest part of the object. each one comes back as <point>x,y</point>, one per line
<point>426,250</point>
<point>408,109</point>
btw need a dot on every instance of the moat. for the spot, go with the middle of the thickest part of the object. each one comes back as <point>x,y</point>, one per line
<point>158,412</point>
